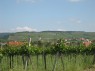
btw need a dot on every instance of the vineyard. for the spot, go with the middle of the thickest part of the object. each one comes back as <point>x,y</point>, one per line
<point>56,56</point>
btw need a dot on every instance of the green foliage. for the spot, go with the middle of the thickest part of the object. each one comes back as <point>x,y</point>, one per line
<point>1,56</point>
<point>58,46</point>
<point>10,51</point>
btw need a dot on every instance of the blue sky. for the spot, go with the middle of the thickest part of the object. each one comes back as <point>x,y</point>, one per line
<point>42,15</point>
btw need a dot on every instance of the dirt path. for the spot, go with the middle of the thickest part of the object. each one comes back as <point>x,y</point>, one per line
<point>91,69</point>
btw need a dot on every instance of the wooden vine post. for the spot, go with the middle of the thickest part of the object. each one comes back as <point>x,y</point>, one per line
<point>27,56</point>
<point>55,61</point>
<point>58,47</point>
<point>45,64</point>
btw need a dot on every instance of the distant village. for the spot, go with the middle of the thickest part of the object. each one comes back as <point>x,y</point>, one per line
<point>84,41</point>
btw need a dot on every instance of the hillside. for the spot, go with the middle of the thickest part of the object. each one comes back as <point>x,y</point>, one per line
<point>4,36</point>
<point>50,35</point>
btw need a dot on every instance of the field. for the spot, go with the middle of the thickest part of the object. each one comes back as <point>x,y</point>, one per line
<point>63,63</point>
<point>48,57</point>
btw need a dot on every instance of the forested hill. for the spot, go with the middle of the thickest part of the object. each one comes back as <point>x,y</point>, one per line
<point>4,36</point>
<point>46,35</point>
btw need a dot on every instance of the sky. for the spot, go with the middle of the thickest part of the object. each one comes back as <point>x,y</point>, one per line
<point>47,15</point>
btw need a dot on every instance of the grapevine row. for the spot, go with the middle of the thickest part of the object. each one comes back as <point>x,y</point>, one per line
<point>53,49</point>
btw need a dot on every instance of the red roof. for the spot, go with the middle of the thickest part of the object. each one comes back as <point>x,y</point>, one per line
<point>15,43</point>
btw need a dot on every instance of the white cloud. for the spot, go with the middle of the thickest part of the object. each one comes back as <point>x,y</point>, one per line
<point>75,0</point>
<point>30,1</point>
<point>60,30</point>
<point>20,29</point>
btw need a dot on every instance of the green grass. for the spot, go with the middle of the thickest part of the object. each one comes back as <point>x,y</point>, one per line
<point>71,63</point>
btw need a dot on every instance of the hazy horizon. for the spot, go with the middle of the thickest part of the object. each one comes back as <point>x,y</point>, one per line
<point>44,31</point>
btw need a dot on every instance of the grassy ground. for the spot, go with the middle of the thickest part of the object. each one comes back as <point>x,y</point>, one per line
<point>70,63</point>
<point>92,68</point>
